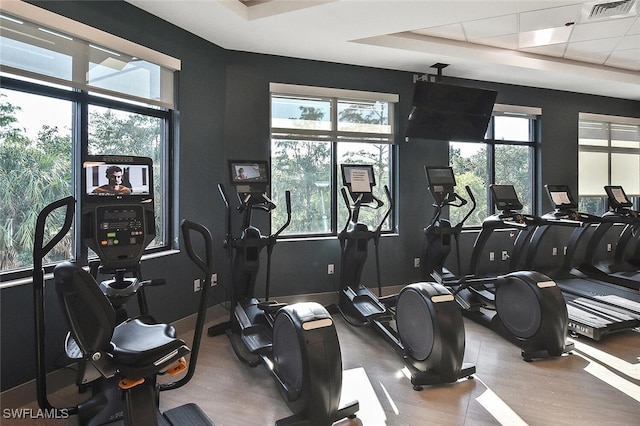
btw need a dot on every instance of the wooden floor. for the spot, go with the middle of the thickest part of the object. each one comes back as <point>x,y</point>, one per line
<point>596,385</point>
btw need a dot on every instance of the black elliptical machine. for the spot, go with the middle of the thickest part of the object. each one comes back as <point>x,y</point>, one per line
<point>525,307</point>
<point>429,329</point>
<point>298,343</point>
<point>129,355</point>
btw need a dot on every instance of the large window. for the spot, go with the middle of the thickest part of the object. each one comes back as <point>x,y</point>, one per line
<point>313,131</point>
<point>62,98</point>
<point>505,157</point>
<point>609,154</point>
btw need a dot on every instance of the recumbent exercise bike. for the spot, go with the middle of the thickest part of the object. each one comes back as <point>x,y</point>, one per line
<point>128,354</point>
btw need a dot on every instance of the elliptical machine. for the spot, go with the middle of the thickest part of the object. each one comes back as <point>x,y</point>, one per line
<point>127,355</point>
<point>298,343</point>
<point>525,307</point>
<point>429,330</point>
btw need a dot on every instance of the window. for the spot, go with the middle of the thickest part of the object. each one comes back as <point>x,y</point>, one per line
<point>505,157</point>
<point>313,131</point>
<point>63,98</point>
<point>609,154</point>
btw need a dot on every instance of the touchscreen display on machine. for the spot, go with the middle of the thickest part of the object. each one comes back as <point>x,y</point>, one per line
<point>116,180</point>
<point>505,197</point>
<point>249,176</point>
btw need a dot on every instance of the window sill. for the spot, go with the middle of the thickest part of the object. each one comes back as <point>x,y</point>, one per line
<point>29,279</point>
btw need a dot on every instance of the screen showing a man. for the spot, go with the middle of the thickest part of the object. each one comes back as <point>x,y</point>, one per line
<point>115,184</point>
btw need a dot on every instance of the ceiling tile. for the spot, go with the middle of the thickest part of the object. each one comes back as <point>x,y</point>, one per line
<point>596,30</point>
<point>548,18</point>
<point>551,50</point>
<point>509,41</point>
<point>547,36</point>
<point>491,27</point>
<point>629,42</point>
<point>635,28</point>
<point>591,57</point>
<point>594,46</point>
<point>630,54</point>
<point>631,62</point>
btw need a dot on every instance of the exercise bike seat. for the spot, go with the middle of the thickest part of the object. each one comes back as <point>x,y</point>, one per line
<point>141,349</point>
<point>134,349</point>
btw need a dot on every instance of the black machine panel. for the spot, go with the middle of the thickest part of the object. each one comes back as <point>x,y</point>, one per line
<point>118,218</point>
<point>505,197</point>
<point>249,176</point>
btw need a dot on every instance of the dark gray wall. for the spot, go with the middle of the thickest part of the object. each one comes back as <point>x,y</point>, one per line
<point>224,113</point>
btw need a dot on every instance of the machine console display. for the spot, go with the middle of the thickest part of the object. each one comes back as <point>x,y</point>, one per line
<point>561,198</point>
<point>359,178</point>
<point>118,216</point>
<point>441,182</point>
<point>617,197</point>
<point>249,176</point>
<point>505,197</point>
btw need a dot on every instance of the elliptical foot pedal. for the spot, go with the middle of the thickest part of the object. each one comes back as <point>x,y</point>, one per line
<point>258,339</point>
<point>188,414</point>
<point>364,302</point>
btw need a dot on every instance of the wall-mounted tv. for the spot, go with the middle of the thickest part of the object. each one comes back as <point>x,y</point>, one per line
<point>449,113</point>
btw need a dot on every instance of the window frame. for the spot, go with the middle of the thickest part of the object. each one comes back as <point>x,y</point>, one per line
<point>82,94</point>
<point>534,115</point>
<point>609,150</point>
<point>335,137</point>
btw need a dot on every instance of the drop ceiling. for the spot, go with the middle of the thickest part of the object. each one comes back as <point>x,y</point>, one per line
<point>584,47</point>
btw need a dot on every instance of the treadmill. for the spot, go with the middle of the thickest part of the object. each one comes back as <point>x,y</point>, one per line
<point>596,307</point>
<point>619,271</point>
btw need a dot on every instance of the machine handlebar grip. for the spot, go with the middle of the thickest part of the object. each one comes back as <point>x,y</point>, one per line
<point>206,265</point>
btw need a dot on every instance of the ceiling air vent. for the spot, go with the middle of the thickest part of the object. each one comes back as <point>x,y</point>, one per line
<point>612,9</point>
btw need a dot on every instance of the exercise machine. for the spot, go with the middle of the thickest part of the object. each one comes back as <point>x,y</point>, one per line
<point>618,270</point>
<point>129,355</point>
<point>597,306</point>
<point>429,329</point>
<point>525,307</point>
<point>298,343</point>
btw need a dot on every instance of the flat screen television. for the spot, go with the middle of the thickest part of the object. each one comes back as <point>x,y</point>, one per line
<point>449,112</point>
<point>117,178</point>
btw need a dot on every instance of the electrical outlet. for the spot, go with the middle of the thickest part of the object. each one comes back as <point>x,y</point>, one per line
<point>505,255</point>
<point>214,279</point>
<point>554,251</point>
<point>416,262</point>
<point>565,250</point>
<point>330,269</point>
<point>492,256</point>
<point>609,247</point>
<point>196,285</point>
